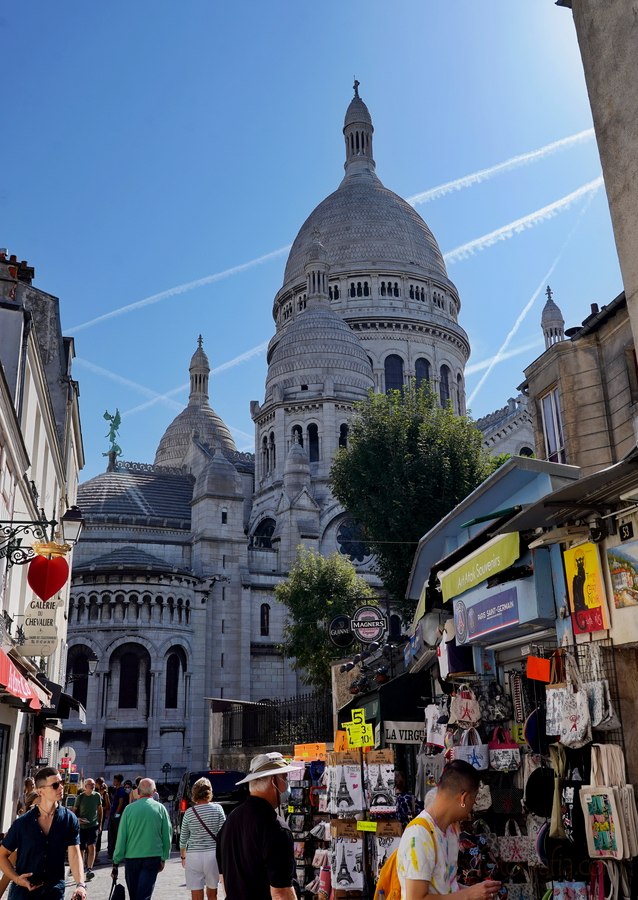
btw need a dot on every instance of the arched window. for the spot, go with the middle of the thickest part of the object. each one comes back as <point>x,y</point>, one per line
<point>395,626</point>
<point>79,671</point>
<point>173,668</point>
<point>262,536</point>
<point>273,452</point>
<point>343,435</point>
<point>396,289</point>
<point>383,288</point>
<point>393,373</point>
<point>264,455</point>
<point>444,385</point>
<point>412,292</point>
<point>313,442</point>
<point>297,435</point>
<point>264,620</point>
<point>459,393</point>
<point>524,451</point>
<point>359,289</point>
<point>422,371</point>
<point>129,678</point>
<point>366,289</point>
<point>353,290</point>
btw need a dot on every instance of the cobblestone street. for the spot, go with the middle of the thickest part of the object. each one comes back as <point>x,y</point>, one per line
<point>170,883</point>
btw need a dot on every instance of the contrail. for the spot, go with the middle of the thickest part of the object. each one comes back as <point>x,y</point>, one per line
<point>423,197</point>
<point>529,221</point>
<point>516,351</point>
<point>521,316</point>
<point>484,174</point>
<point>229,364</point>
<point>180,289</point>
<point>126,382</point>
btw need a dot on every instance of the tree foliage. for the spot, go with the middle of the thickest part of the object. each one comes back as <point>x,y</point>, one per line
<point>318,589</point>
<point>407,464</point>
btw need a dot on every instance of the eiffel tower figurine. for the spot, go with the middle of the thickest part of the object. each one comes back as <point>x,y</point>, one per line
<point>343,794</point>
<point>380,793</point>
<point>343,875</point>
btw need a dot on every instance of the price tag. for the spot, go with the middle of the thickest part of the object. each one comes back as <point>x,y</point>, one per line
<point>366,826</point>
<point>291,809</point>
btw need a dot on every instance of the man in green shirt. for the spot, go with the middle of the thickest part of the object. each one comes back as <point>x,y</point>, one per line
<point>88,809</point>
<point>143,842</point>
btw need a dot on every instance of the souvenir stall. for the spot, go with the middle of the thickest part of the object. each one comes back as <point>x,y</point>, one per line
<point>528,695</point>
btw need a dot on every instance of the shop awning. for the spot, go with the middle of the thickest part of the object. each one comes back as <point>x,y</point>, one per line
<point>21,686</point>
<point>496,555</point>
<point>595,494</point>
<point>60,704</point>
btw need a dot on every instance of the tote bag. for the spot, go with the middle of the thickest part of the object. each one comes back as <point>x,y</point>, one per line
<point>505,754</point>
<point>555,692</point>
<point>464,708</point>
<point>575,724</point>
<point>471,750</point>
<point>602,822</point>
<point>516,847</point>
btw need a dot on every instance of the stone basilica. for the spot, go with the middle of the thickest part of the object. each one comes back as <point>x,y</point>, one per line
<point>173,580</point>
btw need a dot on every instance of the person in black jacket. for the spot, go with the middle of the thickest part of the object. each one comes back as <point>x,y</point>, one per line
<point>255,846</point>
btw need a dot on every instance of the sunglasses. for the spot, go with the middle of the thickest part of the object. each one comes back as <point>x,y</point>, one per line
<point>54,784</point>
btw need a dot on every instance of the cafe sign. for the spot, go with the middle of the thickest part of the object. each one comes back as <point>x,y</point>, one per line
<point>497,555</point>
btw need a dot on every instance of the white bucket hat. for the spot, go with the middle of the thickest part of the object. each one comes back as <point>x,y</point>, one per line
<point>267,764</point>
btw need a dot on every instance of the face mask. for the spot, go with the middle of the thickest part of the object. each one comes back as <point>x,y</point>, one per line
<point>284,796</point>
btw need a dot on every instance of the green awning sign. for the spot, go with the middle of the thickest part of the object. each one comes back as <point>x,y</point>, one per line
<point>498,554</point>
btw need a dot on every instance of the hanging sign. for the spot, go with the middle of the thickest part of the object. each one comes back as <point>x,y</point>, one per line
<point>359,731</point>
<point>47,576</point>
<point>404,732</point>
<point>369,624</point>
<point>339,631</point>
<point>39,629</point>
<point>586,588</point>
<point>496,555</point>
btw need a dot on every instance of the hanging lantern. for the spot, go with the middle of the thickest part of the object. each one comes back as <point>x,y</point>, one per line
<point>48,571</point>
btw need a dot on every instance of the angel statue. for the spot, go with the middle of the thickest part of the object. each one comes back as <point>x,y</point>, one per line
<point>116,421</point>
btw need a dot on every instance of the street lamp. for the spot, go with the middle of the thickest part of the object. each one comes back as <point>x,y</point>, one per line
<point>12,532</point>
<point>92,662</point>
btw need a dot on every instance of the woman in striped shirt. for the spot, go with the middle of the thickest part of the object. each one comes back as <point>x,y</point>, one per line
<point>197,841</point>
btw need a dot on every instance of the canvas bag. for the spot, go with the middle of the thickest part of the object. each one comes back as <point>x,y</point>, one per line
<point>555,693</point>
<point>516,847</point>
<point>505,754</point>
<point>575,725</point>
<point>602,822</point>
<point>483,798</point>
<point>559,764</point>
<point>434,730</point>
<point>495,704</point>
<point>603,716</point>
<point>520,890</point>
<point>464,708</point>
<point>570,890</point>
<point>471,750</point>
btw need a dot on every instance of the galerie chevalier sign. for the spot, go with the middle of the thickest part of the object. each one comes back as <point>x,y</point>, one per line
<point>39,628</point>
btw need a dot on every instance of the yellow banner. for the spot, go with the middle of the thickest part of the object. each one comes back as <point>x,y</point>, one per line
<point>495,556</point>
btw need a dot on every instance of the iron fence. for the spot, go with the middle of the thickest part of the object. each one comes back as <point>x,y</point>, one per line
<point>297,720</point>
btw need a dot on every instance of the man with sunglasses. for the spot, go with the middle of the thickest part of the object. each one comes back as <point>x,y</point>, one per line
<point>42,837</point>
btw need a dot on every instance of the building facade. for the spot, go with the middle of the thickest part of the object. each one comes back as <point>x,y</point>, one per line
<point>41,455</point>
<point>174,580</point>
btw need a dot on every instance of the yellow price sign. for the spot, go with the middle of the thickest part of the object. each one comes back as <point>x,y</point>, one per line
<point>360,735</point>
<point>366,826</point>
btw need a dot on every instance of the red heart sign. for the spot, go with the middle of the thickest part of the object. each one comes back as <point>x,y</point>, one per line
<point>47,576</point>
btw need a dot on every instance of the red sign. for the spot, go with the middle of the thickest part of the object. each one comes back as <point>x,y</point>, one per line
<point>15,683</point>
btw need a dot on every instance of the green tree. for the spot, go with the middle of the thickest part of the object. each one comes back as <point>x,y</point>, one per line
<point>318,589</point>
<point>407,464</point>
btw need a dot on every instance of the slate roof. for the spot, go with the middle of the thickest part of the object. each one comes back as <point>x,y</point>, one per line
<point>130,559</point>
<point>138,494</point>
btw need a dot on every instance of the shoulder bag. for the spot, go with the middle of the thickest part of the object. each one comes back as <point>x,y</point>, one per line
<point>505,754</point>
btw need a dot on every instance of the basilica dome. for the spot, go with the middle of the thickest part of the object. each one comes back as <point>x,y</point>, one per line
<point>198,420</point>
<point>362,223</point>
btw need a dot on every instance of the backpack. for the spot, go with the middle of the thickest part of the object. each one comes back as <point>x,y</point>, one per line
<point>388,885</point>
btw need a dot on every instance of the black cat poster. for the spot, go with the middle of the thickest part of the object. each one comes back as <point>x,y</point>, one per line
<point>586,588</point>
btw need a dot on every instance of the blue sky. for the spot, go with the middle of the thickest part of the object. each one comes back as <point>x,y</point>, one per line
<point>147,146</point>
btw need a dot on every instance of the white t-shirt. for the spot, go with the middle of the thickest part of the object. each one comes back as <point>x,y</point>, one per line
<point>428,854</point>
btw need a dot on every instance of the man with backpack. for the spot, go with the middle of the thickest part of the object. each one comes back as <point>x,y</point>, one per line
<point>425,862</point>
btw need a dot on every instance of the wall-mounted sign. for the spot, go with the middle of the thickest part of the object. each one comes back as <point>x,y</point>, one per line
<point>486,616</point>
<point>404,732</point>
<point>623,568</point>
<point>586,588</point>
<point>39,629</point>
<point>369,624</point>
<point>496,555</point>
<point>340,632</point>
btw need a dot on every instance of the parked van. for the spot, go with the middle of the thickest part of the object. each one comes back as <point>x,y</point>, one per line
<point>225,792</point>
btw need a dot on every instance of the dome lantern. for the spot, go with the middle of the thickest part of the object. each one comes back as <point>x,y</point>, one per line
<point>317,269</point>
<point>358,131</point>
<point>552,321</point>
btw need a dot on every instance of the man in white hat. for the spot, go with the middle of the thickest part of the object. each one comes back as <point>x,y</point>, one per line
<point>255,848</point>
